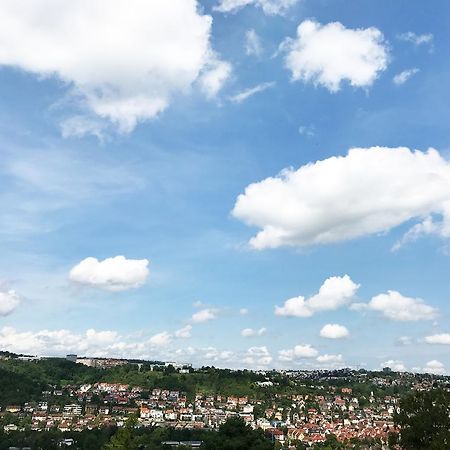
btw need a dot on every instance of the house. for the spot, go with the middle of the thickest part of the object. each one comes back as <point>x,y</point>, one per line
<point>145,413</point>
<point>275,434</point>
<point>10,427</point>
<point>13,409</point>
<point>66,443</point>
<point>72,410</point>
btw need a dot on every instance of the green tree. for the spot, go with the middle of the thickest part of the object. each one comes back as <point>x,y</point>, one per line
<point>424,420</point>
<point>234,434</point>
<point>124,438</point>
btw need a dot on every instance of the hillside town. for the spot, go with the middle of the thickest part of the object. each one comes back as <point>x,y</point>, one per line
<point>285,418</point>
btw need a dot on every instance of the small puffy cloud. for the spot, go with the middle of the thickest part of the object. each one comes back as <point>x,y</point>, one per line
<point>214,77</point>
<point>403,77</point>
<point>9,301</point>
<point>257,357</point>
<point>330,359</point>
<point>250,332</point>
<point>160,339</point>
<point>101,337</point>
<point>334,293</point>
<point>125,63</point>
<point>270,7</point>
<point>416,39</point>
<point>243,311</point>
<point>329,54</point>
<point>112,274</point>
<point>395,365</point>
<point>334,331</point>
<point>442,338</point>
<point>404,340</point>
<point>395,306</point>
<point>368,191</point>
<point>211,353</point>
<point>184,333</point>
<point>307,130</point>
<point>253,44</point>
<point>435,367</point>
<point>247,93</point>
<point>204,315</point>
<point>298,352</point>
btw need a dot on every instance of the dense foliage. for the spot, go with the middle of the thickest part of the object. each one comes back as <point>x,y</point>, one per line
<point>232,435</point>
<point>424,420</point>
<point>24,381</point>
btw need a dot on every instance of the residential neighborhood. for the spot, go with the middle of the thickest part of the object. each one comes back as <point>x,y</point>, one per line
<point>314,408</point>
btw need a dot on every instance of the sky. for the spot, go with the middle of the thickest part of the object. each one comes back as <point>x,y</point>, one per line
<point>239,183</point>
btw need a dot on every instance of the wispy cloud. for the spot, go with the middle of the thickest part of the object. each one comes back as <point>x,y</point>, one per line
<point>403,77</point>
<point>416,39</point>
<point>253,44</point>
<point>247,93</point>
<point>43,182</point>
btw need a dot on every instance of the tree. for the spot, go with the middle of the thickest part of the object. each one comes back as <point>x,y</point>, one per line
<point>124,438</point>
<point>424,420</point>
<point>392,439</point>
<point>234,434</point>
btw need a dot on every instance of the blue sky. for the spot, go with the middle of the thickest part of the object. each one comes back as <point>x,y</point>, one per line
<point>106,154</point>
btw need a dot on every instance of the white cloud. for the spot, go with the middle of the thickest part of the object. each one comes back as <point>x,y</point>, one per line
<point>184,333</point>
<point>204,315</point>
<point>243,311</point>
<point>9,301</point>
<point>257,357</point>
<point>270,7</point>
<point>298,352</point>
<point>416,39</point>
<point>435,367</point>
<point>125,63</point>
<point>330,359</point>
<point>101,337</point>
<point>395,306</point>
<point>307,130</point>
<point>425,228</point>
<point>213,79</point>
<point>368,191</point>
<point>395,365</point>
<point>78,126</point>
<point>329,54</point>
<point>253,44</point>
<point>250,332</point>
<point>112,274</point>
<point>442,338</point>
<point>334,293</point>
<point>247,93</point>
<point>334,331</point>
<point>404,76</point>
<point>211,353</point>
<point>58,342</point>
<point>404,340</point>
<point>160,339</point>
